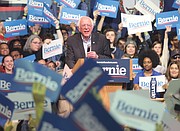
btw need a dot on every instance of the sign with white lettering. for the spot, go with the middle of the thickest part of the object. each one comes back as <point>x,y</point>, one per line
<point>24,105</point>
<point>15,28</point>
<point>90,115</point>
<point>137,24</point>
<point>107,8</point>
<point>69,3</point>
<point>52,49</point>
<point>178,31</point>
<point>144,82</point>
<point>147,7</point>
<point>91,74</point>
<point>69,15</point>
<point>6,109</point>
<point>170,18</point>
<point>176,4</point>
<point>117,69</point>
<point>48,15</point>
<point>35,6</point>
<point>52,122</point>
<point>26,73</point>
<point>6,83</point>
<point>135,66</point>
<point>126,110</point>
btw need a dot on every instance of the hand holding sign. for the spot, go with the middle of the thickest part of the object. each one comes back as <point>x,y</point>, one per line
<point>39,92</point>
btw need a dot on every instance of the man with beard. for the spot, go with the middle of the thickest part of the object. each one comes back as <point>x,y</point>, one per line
<point>147,59</point>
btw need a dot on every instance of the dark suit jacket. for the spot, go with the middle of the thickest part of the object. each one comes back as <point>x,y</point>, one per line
<point>75,48</point>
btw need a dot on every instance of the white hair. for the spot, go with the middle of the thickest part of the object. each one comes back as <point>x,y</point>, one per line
<point>85,17</point>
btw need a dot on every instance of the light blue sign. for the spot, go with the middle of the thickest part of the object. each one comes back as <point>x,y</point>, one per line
<point>30,58</point>
<point>15,28</point>
<point>69,15</point>
<point>91,74</point>
<point>164,19</point>
<point>176,4</point>
<point>48,15</point>
<point>135,66</point>
<point>178,31</point>
<point>26,73</point>
<point>69,3</point>
<point>6,109</point>
<point>107,8</point>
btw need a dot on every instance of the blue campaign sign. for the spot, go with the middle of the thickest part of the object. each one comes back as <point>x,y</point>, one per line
<point>87,76</point>
<point>52,122</point>
<point>118,69</point>
<point>6,109</point>
<point>26,73</point>
<point>30,58</point>
<point>69,3</point>
<point>178,31</point>
<point>15,28</point>
<point>135,66</point>
<point>48,2</point>
<point>170,18</point>
<point>107,8</point>
<point>35,6</point>
<point>48,15</point>
<point>90,115</point>
<point>176,4</point>
<point>69,15</point>
<point>37,19</point>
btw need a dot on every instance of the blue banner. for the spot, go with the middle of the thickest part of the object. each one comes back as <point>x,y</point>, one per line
<point>178,31</point>
<point>87,76</point>
<point>30,58</point>
<point>69,15</point>
<point>35,6</point>
<point>69,3</point>
<point>48,15</point>
<point>15,28</point>
<point>176,4</point>
<point>26,73</point>
<point>6,109</point>
<point>135,66</point>
<point>118,69</point>
<point>90,115</point>
<point>107,8</point>
<point>164,19</point>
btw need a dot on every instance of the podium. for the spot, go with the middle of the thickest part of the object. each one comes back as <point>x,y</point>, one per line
<point>108,88</point>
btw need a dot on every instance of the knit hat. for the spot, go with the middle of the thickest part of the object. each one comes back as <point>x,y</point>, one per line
<point>130,41</point>
<point>175,52</point>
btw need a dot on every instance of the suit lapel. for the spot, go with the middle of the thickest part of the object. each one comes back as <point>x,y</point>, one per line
<point>80,46</point>
<point>93,42</point>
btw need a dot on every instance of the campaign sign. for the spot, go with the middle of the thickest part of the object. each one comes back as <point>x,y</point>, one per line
<point>30,58</point>
<point>87,76</point>
<point>26,73</point>
<point>170,18</point>
<point>35,6</point>
<point>135,66</point>
<point>37,19</point>
<point>90,115</point>
<point>48,15</point>
<point>117,69</point>
<point>69,3</point>
<point>178,31</point>
<point>15,28</point>
<point>144,82</point>
<point>124,18</point>
<point>137,24</point>
<point>1,57</point>
<point>6,109</point>
<point>24,105</point>
<point>52,49</point>
<point>67,73</point>
<point>69,15</point>
<point>147,7</point>
<point>47,2</point>
<point>52,122</point>
<point>176,4</point>
<point>126,110</point>
<point>107,8</point>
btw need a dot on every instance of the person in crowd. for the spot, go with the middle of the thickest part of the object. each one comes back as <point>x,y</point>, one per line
<point>147,59</point>
<point>51,65</point>
<point>86,44</point>
<point>174,42</point>
<point>7,65</point>
<point>15,43</point>
<point>172,73</point>
<point>32,46</point>
<point>130,50</point>
<point>175,55</point>
<point>4,49</point>
<point>16,53</point>
<point>2,32</point>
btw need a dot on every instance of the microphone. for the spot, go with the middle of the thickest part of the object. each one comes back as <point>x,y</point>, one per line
<point>88,48</point>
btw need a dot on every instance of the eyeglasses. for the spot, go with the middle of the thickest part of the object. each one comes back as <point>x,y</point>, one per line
<point>176,57</point>
<point>86,25</point>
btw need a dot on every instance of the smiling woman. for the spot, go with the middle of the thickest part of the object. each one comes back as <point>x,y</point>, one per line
<point>7,64</point>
